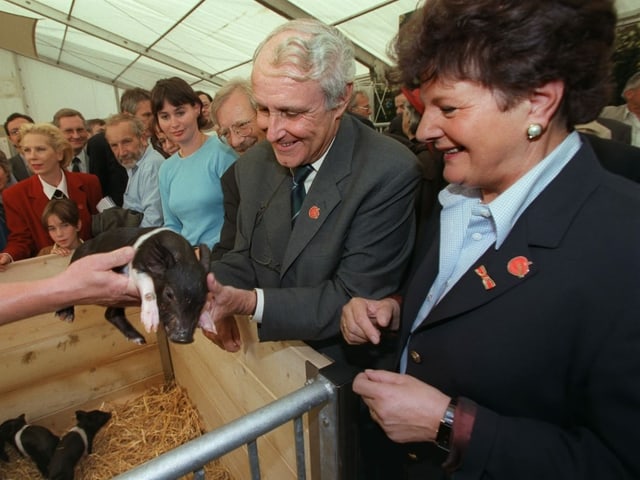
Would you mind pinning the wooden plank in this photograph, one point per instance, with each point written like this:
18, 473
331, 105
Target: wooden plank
47, 397
218, 406
226, 385
62, 420
34, 268
27, 331
79, 349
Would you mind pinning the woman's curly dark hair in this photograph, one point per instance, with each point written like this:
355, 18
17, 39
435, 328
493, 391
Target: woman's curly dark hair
512, 47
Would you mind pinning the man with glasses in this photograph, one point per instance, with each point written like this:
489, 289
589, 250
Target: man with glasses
234, 111
19, 166
360, 107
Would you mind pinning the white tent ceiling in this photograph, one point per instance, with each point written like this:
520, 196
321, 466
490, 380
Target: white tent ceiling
135, 42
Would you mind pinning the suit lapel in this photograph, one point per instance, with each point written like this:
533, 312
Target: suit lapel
323, 195
489, 277
277, 201
543, 224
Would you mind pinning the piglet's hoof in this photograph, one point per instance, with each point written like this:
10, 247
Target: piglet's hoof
66, 314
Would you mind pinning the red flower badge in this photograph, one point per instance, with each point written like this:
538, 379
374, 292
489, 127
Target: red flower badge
314, 212
519, 266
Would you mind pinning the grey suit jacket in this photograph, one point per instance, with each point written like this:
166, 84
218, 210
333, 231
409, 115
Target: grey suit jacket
18, 168
353, 237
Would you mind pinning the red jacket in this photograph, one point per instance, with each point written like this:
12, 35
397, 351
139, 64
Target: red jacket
25, 201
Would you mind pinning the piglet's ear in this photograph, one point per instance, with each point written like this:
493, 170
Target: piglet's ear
157, 258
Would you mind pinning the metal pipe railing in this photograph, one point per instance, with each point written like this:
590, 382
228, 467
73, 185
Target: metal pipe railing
196, 453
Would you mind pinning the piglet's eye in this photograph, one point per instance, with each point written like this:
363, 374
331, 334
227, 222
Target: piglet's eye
168, 293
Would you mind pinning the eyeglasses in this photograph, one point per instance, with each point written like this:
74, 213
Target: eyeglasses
365, 107
242, 129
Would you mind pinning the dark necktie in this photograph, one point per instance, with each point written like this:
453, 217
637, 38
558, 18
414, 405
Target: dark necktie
76, 164
297, 189
58, 194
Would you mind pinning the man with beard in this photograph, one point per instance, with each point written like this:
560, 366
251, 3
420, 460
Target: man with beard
129, 143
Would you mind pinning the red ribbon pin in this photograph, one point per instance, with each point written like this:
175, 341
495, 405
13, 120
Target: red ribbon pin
487, 281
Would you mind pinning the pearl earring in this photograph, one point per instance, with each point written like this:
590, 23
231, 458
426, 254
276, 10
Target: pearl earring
534, 131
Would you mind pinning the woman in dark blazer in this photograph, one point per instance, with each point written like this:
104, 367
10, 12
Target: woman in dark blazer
519, 329
48, 154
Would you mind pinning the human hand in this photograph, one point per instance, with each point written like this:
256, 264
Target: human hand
407, 409
5, 260
362, 320
222, 304
62, 251
91, 280
226, 336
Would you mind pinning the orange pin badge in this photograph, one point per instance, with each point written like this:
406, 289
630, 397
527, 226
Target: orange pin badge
487, 281
314, 212
518, 266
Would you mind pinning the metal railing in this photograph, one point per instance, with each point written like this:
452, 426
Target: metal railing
319, 392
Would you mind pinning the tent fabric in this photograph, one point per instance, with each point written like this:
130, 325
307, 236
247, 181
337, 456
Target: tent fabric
132, 43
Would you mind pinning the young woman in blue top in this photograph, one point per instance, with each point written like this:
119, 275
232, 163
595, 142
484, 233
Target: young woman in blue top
190, 188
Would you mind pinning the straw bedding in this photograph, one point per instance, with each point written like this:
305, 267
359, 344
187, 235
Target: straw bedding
139, 430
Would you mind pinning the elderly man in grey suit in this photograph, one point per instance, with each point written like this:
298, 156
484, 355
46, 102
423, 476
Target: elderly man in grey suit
629, 112
354, 232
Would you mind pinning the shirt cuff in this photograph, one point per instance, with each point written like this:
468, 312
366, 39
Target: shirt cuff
257, 315
464, 419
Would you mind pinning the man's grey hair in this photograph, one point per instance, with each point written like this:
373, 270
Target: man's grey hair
136, 124
354, 98
225, 92
314, 51
131, 97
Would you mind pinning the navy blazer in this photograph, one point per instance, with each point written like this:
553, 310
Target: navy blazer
551, 358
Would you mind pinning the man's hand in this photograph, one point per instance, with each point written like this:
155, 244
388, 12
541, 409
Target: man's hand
407, 409
93, 280
362, 320
223, 303
226, 336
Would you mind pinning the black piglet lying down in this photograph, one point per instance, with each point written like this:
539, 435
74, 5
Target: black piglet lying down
170, 278
75, 443
32, 441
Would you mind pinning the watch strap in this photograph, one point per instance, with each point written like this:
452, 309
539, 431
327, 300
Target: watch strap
444, 436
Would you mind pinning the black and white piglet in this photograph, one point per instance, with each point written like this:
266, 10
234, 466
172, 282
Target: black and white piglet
32, 441
170, 278
75, 443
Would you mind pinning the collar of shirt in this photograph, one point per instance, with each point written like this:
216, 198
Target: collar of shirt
84, 161
131, 171
509, 205
316, 167
257, 315
50, 190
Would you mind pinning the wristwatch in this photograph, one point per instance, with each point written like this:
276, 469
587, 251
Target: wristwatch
444, 436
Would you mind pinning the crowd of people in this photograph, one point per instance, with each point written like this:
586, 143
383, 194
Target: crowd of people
476, 264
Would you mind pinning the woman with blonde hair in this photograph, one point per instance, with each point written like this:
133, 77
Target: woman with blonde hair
48, 154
